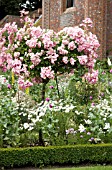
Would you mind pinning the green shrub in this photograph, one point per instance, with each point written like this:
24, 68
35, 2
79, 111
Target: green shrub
43, 156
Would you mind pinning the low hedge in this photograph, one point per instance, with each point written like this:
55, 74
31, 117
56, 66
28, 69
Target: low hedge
57, 155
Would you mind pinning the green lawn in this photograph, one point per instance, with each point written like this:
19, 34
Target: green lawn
86, 168
70, 168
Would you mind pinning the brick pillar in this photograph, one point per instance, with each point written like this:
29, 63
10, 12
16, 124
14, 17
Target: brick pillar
46, 14
55, 11
97, 11
51, 10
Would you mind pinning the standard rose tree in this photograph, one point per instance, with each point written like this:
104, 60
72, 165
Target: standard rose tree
38, 55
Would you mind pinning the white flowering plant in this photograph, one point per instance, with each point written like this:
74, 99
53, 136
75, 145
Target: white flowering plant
63, 121
93, 125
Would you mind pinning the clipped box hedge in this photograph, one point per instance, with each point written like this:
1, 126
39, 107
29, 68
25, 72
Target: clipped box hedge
57, 155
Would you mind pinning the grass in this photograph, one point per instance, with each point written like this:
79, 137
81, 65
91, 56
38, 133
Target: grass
86, 168
70, 168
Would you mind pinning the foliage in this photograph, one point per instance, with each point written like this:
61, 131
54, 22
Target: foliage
9, 119
61, 155
31, 4
10, 7
13, 7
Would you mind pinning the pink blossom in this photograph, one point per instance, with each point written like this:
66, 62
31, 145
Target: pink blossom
16, 66
93, 104
32, 43
9, 86
47, 99
21, 82
110, 70
28, 84
36, 32
92, 77
71, 45
51, 87
53, 58
32, 66
24, 84
5, 80
35, 58
62, 50
91, 97
16, 54
51, 51
103, 72
82, 59
65, 60
48, 43
50, 105
29, 21
65, 42
19, 35
91, 63
46, 72
72, 61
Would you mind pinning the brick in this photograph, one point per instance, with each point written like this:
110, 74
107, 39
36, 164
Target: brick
100, 11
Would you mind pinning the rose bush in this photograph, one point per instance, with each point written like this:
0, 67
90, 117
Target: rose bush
37, 55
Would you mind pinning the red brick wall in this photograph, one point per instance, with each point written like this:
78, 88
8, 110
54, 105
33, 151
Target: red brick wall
109, 26
97, 11
56, 16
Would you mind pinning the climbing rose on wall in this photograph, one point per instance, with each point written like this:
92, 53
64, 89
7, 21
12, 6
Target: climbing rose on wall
35, 54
